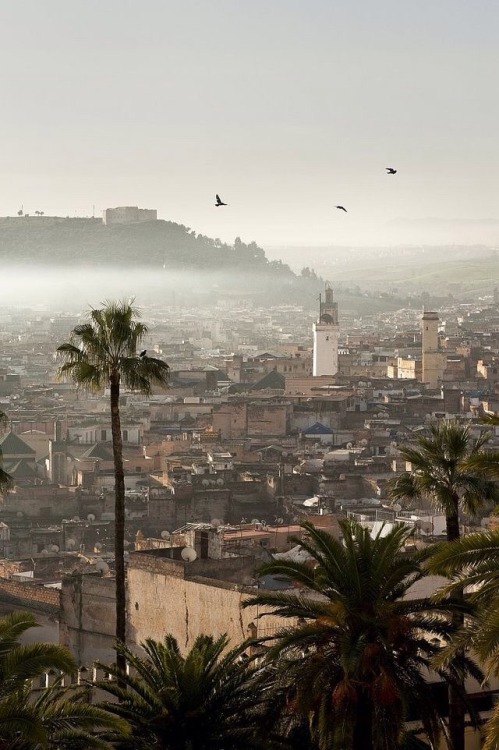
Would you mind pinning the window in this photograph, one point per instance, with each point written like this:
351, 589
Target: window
125, 436
103, 434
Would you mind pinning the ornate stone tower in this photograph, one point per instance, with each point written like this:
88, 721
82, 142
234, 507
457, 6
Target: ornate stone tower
434, 360
326, 335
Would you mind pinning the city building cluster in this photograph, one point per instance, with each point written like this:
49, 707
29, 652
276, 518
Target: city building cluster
273, 416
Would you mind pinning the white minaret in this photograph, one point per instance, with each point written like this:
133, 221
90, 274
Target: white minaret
326, 335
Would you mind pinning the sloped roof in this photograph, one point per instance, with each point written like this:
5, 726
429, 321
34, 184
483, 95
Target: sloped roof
99, 450
20, 469
318, 429
273, 380
11, 445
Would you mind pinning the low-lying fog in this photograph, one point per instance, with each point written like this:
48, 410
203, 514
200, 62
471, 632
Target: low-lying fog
79, 288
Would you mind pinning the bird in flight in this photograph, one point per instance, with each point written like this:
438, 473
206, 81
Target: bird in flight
143, 353
219, 201
342, 208
391, 170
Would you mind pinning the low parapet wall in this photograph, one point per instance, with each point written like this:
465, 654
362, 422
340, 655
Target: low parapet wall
33, 595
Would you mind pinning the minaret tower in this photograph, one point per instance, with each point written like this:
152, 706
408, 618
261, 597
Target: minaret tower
434, 360
326, 335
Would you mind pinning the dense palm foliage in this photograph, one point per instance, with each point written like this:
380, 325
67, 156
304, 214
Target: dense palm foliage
103, 353
208, 699
474, 562
55, 718
19, 664
448, 469
69, 721
452, 470
356, 659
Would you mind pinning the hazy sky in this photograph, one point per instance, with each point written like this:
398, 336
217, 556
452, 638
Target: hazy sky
284, 107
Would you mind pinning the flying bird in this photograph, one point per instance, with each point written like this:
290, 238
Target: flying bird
391, 170
342, 208
143, 353
219, 201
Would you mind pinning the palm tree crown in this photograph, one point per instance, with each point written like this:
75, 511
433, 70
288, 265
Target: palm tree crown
448, 469
19, 664
104, 351
356, 660
56, 718
204, 700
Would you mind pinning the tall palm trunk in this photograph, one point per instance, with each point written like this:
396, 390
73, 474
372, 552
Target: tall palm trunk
362, 738
119, 518
456, 706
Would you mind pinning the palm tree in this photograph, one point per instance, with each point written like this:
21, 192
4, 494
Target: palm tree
103, 353
6, 481
474, 562
19, 664
444, 471
451, 470
207, 699
71, 722
355, 661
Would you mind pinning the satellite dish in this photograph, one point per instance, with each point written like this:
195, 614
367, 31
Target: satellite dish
165, 534
54, 548
70, 544
216, 522
189, 554
397, 507
349, 446
101, 566
220, 482
19, 514
255, 520
76, 519
98, 546
90, 517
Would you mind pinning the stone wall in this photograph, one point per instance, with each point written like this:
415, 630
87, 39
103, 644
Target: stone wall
33, 595
88, 617
185, 599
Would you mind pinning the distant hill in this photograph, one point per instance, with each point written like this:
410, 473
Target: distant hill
58, 241
162, 246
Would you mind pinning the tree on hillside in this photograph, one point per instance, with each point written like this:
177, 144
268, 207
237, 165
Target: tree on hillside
102, 353
449, 469
355, 660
